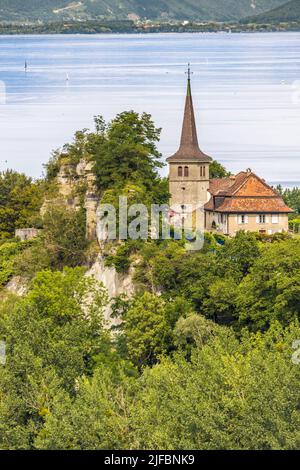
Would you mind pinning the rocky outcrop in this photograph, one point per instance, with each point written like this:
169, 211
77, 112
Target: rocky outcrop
74, 180
114, 282
26, 233
17, 285
67, 179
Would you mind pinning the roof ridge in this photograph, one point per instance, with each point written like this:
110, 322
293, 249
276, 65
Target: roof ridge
262, 181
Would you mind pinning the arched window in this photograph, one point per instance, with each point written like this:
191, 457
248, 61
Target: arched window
186, 171
180, 171
204, 171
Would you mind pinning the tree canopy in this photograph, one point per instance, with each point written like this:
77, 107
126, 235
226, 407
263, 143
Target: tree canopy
203, 353
20, 201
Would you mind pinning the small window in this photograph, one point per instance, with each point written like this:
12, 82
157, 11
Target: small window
262, 219
180, 171
275, 219
243, 219
186, 171
202, 171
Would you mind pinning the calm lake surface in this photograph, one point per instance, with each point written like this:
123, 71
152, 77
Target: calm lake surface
246, 93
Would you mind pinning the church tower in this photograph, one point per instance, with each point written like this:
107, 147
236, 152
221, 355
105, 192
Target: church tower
189, 166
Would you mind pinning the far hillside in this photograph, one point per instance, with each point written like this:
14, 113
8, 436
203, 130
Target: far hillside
204, 10
289, 12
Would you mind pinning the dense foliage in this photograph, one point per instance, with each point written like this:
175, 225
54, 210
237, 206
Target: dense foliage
125, 150
201, 356
291, 197
20, 201
143, 27
64, 387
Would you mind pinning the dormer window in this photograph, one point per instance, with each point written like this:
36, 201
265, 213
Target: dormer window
186, 171
180, 174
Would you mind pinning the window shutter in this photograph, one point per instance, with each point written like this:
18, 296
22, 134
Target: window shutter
246, 219
257, 219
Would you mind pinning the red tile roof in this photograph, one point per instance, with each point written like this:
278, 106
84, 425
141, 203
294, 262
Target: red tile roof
254, 205
245, 192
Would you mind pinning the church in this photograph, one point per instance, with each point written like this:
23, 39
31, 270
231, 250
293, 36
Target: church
240, 202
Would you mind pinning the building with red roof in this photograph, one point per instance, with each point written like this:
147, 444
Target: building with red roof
241, 202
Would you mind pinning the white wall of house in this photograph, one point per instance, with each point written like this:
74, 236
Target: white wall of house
230, 224
265, 223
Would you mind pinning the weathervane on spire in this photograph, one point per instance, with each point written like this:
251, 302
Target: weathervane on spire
189, 72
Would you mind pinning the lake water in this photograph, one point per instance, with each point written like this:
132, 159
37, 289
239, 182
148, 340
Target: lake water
245, 86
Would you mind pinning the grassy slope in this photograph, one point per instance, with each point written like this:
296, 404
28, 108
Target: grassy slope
177, 9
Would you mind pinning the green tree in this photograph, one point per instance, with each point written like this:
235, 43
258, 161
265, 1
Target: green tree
125, 150
239, 254
159, 266
146, 330
230, 395
216, 170
20, 201
96, 419
291, 197
53, 337
220, 304
193, 330
272, 289
64, 235
196, 273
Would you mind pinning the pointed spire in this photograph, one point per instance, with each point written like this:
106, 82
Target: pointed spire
189, 147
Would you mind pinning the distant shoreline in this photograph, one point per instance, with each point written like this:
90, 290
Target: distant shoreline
129, 27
